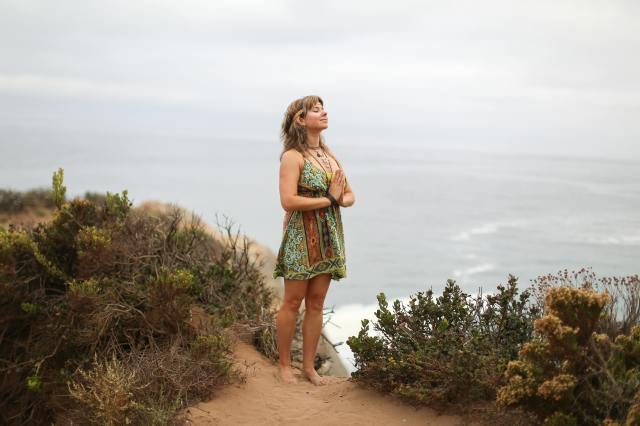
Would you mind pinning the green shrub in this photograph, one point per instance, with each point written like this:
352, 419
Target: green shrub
59, 190
446, 349
95, 313
12, 202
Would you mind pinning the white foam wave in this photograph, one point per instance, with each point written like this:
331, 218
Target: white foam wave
620, 240
487, 228
465, 274
346, 321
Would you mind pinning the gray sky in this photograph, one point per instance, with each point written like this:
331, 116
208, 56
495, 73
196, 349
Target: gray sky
556, 77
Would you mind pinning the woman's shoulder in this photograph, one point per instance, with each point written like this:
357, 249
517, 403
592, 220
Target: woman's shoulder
293, 154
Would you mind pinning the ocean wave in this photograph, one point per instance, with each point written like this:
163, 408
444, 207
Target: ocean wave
465, 274
346, 321
487, 228
620, 240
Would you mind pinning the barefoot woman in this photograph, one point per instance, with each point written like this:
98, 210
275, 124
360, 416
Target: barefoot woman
313, 187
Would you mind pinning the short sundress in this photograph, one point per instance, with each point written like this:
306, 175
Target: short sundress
312, 240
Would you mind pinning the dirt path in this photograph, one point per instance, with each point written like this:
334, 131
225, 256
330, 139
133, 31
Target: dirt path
263, 400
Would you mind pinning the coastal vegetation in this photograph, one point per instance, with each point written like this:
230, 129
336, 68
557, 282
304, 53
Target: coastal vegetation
565, 351
112, 315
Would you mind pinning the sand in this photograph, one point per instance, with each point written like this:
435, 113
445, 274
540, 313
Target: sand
264, 400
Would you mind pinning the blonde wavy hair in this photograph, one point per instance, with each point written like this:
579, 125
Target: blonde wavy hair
293, 135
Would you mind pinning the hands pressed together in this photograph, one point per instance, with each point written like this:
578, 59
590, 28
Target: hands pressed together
337, 186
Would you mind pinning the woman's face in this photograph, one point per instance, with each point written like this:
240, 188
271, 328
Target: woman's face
316, 118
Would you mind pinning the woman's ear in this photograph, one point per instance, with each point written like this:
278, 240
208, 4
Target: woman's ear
299, 120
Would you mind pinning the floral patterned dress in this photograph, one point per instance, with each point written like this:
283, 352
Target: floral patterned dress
312, 240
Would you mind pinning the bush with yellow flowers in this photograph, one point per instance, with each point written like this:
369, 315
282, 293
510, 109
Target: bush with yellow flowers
571, 373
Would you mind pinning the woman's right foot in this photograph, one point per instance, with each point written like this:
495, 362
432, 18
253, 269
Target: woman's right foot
313, 376
286, 374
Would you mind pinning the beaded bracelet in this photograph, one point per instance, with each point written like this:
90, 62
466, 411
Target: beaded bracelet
334, 202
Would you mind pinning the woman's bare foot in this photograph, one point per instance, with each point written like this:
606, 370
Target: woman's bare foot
313, 376
285, 372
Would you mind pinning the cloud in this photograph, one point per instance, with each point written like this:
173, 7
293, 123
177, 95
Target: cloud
491, 73
92, 89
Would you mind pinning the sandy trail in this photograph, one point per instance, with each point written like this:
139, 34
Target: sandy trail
264, 400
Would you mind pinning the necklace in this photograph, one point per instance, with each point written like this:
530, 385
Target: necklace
325, 159
316, 149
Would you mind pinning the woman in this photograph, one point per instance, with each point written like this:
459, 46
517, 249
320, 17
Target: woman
313, 187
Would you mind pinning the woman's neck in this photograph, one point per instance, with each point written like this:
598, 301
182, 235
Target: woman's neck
313, 140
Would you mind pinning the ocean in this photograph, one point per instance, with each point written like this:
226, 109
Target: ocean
421, 216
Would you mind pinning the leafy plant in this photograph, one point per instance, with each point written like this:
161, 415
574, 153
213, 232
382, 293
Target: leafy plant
102, 294
443, 349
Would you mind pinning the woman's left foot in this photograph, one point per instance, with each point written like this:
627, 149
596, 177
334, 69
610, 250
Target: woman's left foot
313, 376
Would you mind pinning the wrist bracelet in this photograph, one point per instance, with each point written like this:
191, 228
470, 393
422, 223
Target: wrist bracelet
334, 202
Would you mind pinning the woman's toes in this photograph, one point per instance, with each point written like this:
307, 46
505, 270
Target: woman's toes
286, 375
314, 377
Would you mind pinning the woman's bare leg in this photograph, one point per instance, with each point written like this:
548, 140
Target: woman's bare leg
312, 325
294, 291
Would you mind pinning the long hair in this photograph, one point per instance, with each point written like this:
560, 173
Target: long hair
293, 135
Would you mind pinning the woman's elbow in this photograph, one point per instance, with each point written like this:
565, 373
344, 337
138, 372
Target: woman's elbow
351, 199
286, 204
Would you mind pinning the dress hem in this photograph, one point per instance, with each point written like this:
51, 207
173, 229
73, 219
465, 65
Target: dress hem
336, 275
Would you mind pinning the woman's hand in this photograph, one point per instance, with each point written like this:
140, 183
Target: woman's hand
347, 198
337, 184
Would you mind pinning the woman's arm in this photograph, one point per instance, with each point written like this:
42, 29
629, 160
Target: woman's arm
348, 198
289, 176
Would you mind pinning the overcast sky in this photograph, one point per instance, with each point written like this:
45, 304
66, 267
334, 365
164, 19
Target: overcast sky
546, 77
